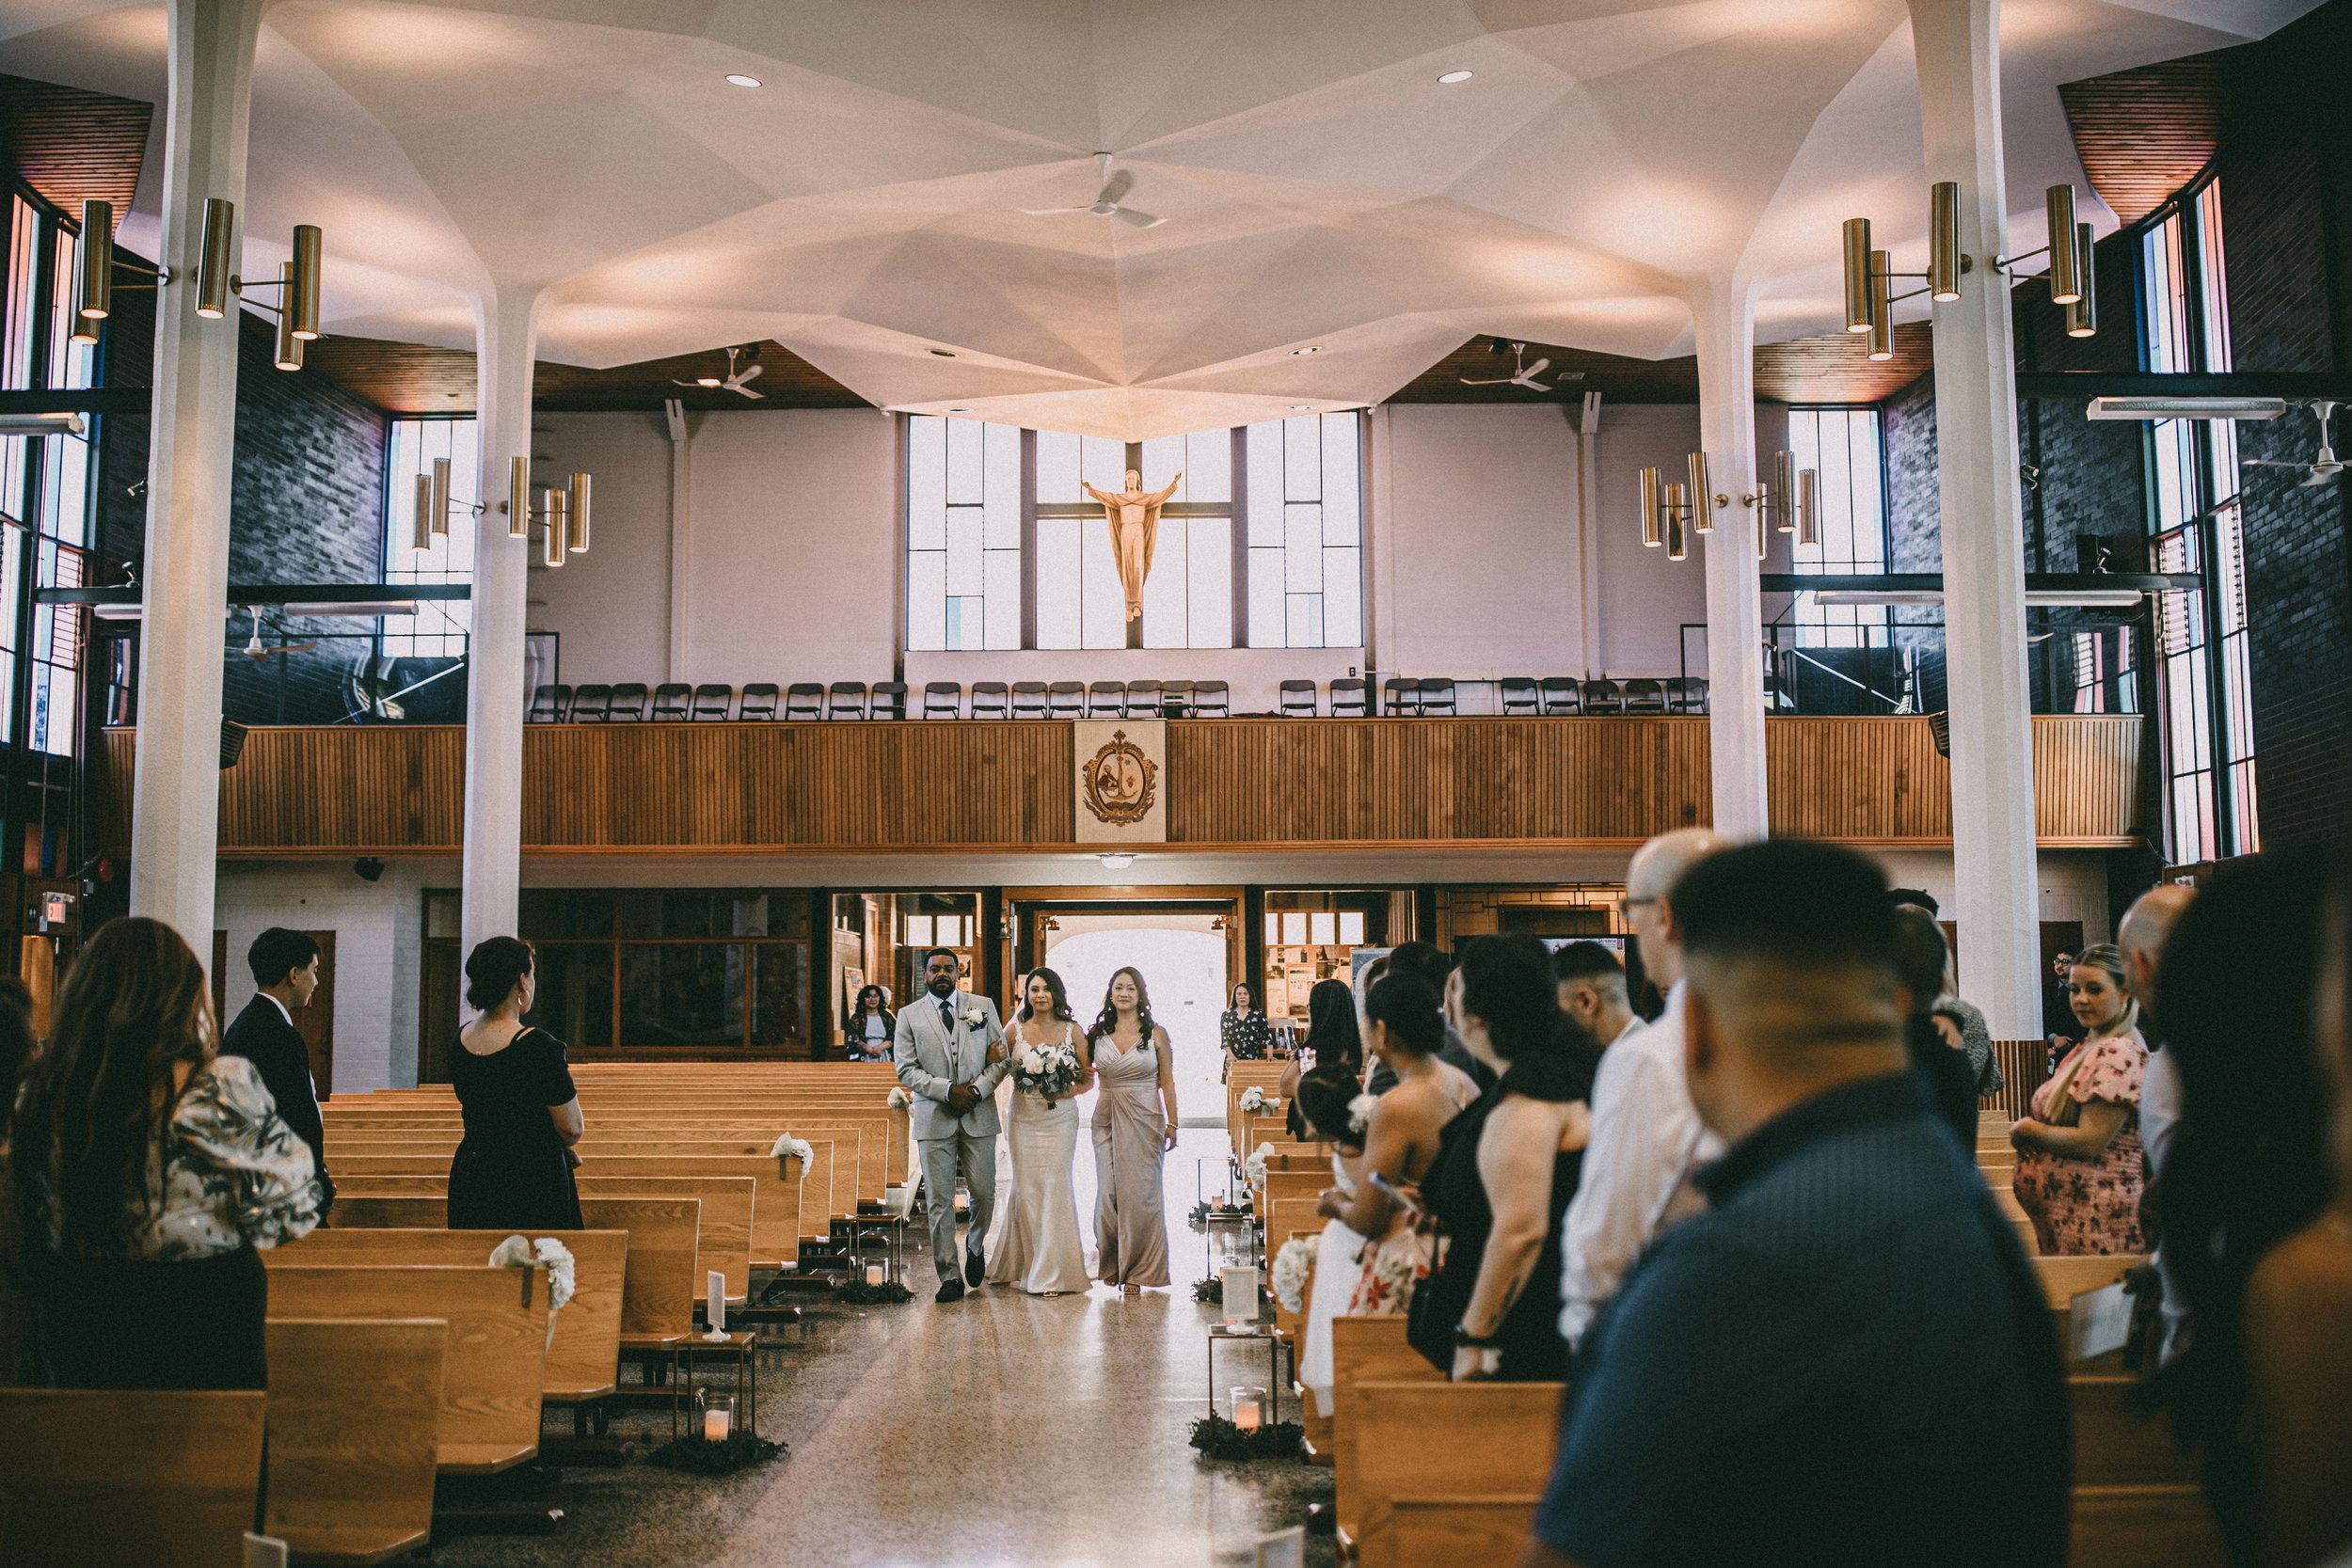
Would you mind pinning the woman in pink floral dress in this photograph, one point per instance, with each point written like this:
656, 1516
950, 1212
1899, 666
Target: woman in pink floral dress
2078, 1153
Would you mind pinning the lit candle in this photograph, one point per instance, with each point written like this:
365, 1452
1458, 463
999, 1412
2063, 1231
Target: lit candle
1248, 1409
716, 1421
873, 1273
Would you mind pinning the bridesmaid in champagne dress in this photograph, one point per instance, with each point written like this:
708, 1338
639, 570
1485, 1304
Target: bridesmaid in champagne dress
1037, 1245
1134, 1127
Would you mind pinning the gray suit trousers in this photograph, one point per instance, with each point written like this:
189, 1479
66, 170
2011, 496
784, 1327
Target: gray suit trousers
978, 1154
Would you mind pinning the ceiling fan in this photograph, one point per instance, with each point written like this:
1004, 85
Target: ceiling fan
262, 653
1106, 202
2324, 466
1524, 375
736, 381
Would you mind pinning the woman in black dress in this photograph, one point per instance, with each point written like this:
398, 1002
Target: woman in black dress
513, 1168
1505, 1169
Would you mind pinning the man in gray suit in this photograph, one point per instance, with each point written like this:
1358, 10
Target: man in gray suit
943, 1048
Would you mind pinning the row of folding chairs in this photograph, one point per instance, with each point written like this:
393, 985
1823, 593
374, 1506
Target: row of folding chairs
1522, 695
675, 702
1141, 699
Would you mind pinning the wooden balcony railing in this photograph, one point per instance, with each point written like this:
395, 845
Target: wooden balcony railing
1238, 783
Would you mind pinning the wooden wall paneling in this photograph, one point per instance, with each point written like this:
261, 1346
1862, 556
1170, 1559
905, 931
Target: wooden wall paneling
2086, 779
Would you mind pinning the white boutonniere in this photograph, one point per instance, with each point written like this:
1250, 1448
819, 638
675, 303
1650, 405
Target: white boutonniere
974, 1018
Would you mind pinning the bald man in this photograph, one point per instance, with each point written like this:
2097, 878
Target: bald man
2142, 934
1646, 1136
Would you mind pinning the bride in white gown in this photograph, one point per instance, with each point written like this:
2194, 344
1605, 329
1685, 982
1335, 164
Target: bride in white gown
1036, 1245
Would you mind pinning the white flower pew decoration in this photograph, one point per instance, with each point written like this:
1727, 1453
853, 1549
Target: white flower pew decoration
786, 1146
1253, 1099
1294, 1266
1254, 1168
519, 1252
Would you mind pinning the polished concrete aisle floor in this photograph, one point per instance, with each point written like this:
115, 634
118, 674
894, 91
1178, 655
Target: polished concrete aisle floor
1004, 1429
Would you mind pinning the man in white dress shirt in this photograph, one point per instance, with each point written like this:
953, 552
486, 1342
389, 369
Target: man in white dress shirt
1647, 1137
2142, 935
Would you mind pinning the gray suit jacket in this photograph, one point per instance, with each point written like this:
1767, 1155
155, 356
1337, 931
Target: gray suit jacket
930, 1062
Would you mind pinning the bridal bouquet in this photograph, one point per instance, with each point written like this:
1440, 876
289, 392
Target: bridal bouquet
1293, 1265
1048, 1071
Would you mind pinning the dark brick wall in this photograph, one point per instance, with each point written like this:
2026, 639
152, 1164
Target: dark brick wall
307, 506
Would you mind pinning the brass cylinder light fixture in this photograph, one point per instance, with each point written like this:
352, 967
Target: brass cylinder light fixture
440, 495
2066, 260
1810, 507
2082, 317
1944, 241
299, 299
1763, 533
576, 515
1677, 508
217, 259
1653, 526
288, 353
421, 537
1857, 275
556, 507
518, 498
1784, 495
94, 270
1702, 495
1881, 338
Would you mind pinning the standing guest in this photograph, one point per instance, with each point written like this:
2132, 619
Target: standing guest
2078, 1153
951, 1055
1330, 1097
870, 1029
513, 1170
2252, 1206
1134, 1127
1647, 1137
1920, 960
2058, 1006
1504, 1172
1591, 980
285, 966
1425, 960
1332, 1035
1845, 1361
1961, 1024
148, 1171
20, 1368
1243, 1030
2142, 934
18, 1043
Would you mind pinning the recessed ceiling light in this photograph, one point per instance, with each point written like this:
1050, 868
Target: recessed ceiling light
736, 79
1311, 348
1452, 76
945, 353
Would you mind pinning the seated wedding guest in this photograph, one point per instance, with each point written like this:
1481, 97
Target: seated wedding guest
2079, 1155
2259, 1385
1243, 1030
867, 1034
1332, 1037
1505, 1169
1647, 1137
513, 1169
1845, 1360
148, 1168
1329, 1103
285, 966
1400, 1136
1591, 980
1920, 958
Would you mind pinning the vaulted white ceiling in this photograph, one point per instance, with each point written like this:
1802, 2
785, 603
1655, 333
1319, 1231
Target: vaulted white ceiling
1321, 188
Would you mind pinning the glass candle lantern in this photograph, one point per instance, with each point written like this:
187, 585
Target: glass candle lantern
718, 1417
1250, 1409
873, 1273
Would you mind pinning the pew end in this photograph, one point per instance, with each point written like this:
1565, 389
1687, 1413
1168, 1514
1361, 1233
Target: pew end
128, 1478
354, 1406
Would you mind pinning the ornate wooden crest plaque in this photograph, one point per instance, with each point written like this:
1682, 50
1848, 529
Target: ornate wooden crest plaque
1119, 783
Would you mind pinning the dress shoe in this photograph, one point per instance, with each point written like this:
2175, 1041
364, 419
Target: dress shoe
974, 1269
949, 1289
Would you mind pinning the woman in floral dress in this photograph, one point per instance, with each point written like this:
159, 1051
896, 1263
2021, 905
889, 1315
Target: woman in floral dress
2079, 1163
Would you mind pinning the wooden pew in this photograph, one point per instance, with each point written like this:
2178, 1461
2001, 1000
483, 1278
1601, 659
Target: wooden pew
2064, 1279
582, 1357
2117, 1444
1364, 1350
498, 1344
1427, 1448
354, 1407
664, 1277
1452, 1531
2144, 1526
128, 1478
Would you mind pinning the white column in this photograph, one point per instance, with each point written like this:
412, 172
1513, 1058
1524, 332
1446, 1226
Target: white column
1726, 318
175, 797
505, 342
1957, 44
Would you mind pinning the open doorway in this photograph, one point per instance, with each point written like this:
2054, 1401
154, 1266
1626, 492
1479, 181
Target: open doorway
1183, 958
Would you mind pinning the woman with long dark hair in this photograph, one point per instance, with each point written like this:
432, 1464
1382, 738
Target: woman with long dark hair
148, 1168
867, 1033
1134, 1127
513, 1170
1037, 1245
1505, 1170
1333, 1035
1243, 1030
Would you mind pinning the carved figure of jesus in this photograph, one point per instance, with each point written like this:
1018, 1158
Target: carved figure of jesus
1135, 518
